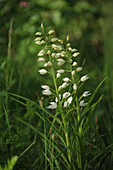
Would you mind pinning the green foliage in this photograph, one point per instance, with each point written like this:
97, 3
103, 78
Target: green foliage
10, 163
89, 24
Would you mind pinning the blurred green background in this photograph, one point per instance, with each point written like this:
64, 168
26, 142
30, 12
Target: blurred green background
90, 26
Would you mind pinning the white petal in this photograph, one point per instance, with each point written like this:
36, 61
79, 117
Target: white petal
86, 93
79, 69
51, 32
82, 103
64, 85
74, 64
41, 59
60, 63
65, 104
59, 88
58, 75
57, 98
70, 100
66, 79
73, 73
61, 71
75, 54
45, 87
42, 71
41, 53
38, 33
54, 39
66, 94
75, 87
84, 78
52, 106
46, 92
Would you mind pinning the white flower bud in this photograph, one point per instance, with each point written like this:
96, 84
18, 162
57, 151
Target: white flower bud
66, 94
41, 53
73, 73
67, 38
68, 102
68, 44
82, 103
79, 69
86, 93
74, 64
54, 39
38, 33
75, 54
38, 42
42, 26
46, 92
63, 52
59, 88
69, 48
38, 39
48, 64
58, 75
57, 98
66, 79
60, 62
64, 85
60, 41
41, 59
84, 78
73, 50
42, 71
45, 87
53, 54
52, 105
51, 32
71, 60
42, 42
75, 87
57, 55
61, 71
48, 52
45, 65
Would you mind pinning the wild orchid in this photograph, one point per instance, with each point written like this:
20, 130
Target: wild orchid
70, 104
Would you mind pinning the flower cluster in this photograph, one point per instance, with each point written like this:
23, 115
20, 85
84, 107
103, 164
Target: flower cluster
54, 56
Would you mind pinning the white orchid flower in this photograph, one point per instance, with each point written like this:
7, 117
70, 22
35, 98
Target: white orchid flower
68, 102
45, 87
66, 79
58, 75
66, 94
82, 103
64, 85
74, 64
42, 71
61, 71
74, 86
46, 92
84, 78
52, 105
41, 59
86, 93
41, 53
75, 54
79, 69
51, 32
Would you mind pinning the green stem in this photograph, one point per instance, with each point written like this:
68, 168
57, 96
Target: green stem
8, 62
66, 133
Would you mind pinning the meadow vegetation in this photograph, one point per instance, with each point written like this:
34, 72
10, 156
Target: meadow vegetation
56, 86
